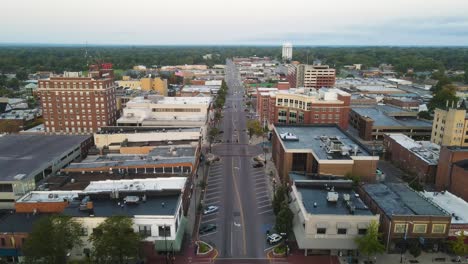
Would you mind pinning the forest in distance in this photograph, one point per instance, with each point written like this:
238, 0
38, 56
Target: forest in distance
74, 58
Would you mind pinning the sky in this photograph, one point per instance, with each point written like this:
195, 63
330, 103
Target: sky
236, 22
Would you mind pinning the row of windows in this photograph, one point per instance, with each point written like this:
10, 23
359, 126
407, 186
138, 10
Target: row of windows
341, 231
75, 85
420, 228
6, 188
178, 110
144, 230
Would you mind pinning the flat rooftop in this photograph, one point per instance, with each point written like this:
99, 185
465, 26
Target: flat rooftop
25, 155
385, 115
399, 199
48, 196
140, 129
158, 184
162, 205
315, 139
454, 205
314, 198
427, 151
18, 223
170, 100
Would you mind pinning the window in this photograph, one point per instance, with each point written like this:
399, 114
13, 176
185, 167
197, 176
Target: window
438, 228
419, 228
6, 188
321, 231
342, 231
400, 228
362, 231
145, 230
166, 232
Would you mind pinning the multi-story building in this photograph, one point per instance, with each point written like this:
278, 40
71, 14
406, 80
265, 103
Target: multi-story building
328, 216
303, 106
27, 159
155, 110
73, 104
322, 150
420, 158
315, 76
373, 121
146, 84
450, 127
452, 171
406, 216
287, 51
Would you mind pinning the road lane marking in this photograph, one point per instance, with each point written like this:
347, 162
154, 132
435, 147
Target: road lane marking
241, 209
267, 211
212, 233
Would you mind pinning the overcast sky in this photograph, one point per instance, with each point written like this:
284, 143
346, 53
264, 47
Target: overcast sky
213, 22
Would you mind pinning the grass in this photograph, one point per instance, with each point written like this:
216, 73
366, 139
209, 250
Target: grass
203, 248
280, 250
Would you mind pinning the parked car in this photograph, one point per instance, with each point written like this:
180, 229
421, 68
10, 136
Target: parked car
210, 209
207, 228
258, 165
273, 239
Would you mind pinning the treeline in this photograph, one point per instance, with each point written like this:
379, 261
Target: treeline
74, 58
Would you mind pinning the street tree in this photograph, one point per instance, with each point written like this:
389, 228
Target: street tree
284, 219
254, 128
369, 244
278, 198
458, 245
114, 241
51, 239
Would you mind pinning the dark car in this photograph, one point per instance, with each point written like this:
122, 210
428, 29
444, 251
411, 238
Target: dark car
207, 228
258, 165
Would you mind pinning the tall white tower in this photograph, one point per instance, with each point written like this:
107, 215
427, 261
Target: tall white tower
287, 51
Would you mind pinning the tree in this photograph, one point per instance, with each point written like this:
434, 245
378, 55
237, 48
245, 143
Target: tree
13, 83
279, 198
114, 240
465, 75
369, 244
254, 127
425, 115
284, 219
414, 249
51, 239
458, 246
22, 75
440, 99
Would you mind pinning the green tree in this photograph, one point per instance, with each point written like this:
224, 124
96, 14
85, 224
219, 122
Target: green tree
254, 128
465, 76
284, 219
22, 75
458, 245
414, 249
13, 83
51, 239
440, 99
425, 115
114, 240
279, 198
369, 244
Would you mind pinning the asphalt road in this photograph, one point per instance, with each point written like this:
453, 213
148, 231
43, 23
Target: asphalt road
240, 191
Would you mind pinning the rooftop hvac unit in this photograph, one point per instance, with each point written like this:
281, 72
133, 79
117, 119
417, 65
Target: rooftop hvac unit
131, 199
346, 197
332, 196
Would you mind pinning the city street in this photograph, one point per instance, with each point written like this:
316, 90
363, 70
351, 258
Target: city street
240, 191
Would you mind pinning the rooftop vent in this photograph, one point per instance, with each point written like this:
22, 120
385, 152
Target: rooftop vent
131, 199
289, 137
332, 196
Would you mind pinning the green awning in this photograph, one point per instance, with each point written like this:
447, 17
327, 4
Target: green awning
160, 245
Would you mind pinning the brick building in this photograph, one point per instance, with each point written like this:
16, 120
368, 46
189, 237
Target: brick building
420, 158
322, 150
311, 76
452, 173
406, 216
73, 104
304, 106
403, 102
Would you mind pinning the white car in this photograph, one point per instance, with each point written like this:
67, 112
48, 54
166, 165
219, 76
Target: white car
210, 209
274, 238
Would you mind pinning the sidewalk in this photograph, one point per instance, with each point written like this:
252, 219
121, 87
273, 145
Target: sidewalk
407, 258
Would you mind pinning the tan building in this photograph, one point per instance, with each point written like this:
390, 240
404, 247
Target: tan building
315, 76
450, 127
73, 104
146, 84
328, 221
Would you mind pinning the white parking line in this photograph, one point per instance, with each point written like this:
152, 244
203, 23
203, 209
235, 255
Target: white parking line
258, 183
212, 193
262, 192
209, 234
259, 176
263, 196
263, 202
213, 186
216, 198
267, 211
261, 179
263, 206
